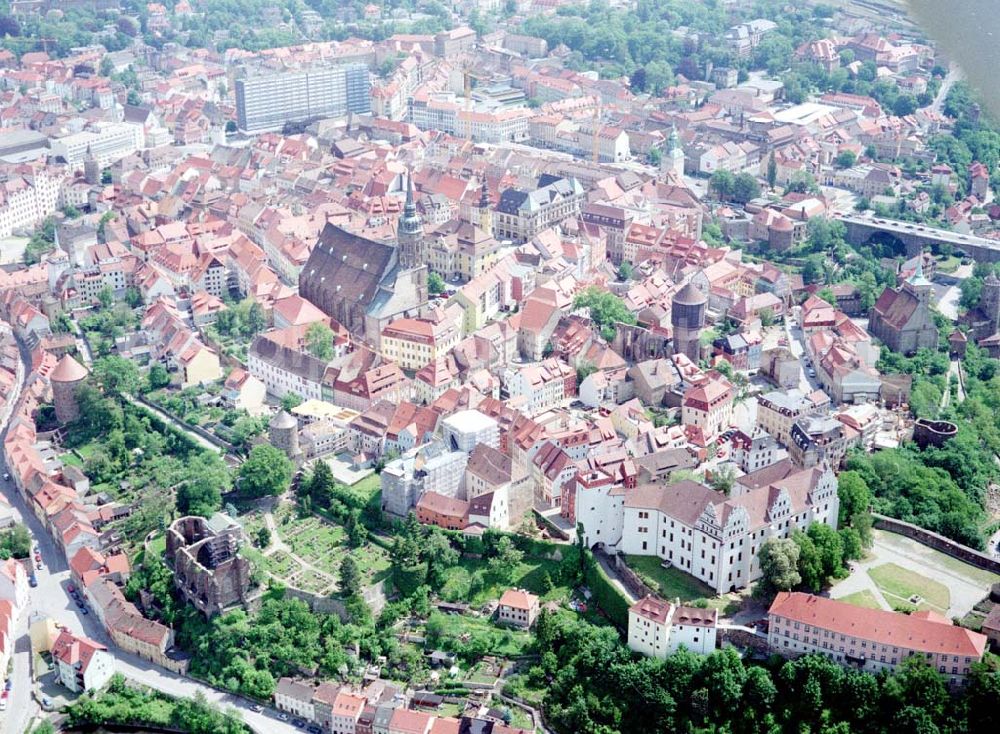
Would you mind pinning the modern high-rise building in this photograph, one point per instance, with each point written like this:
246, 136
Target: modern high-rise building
268, 101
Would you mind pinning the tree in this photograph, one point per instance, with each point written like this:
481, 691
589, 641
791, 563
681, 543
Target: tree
830, 547
158, 377
766, 317
971, 290
606, 309
231, 126
722, 183
503, 565
435, 284
290, 401
116, 376
350, 577
319, 341
198, 497
625, 270
267, 471
723, 479
810, 563
813, 271
845, 159
745, 188
263, 537
637, 82
772, 171
133, 297
854, 495
779, 564
15, 542
106, 297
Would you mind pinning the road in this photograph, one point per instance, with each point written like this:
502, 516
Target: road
50, 599
954, 75
796, 345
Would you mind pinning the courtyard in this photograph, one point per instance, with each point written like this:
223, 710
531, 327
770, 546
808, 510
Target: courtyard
900, 573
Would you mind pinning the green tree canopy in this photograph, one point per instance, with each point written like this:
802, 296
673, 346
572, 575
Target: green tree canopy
267, 471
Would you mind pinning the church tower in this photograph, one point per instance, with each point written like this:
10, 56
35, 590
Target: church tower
918, 285
410, 232
484, 214
673, 161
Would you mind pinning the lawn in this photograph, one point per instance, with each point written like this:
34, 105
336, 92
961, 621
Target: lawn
280, 565
672, 583
71, 459
901, 583
470, 581
158, 546
863, 598
368, 486
520, 718
916, 551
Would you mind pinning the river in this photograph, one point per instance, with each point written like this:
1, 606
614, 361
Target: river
969, 32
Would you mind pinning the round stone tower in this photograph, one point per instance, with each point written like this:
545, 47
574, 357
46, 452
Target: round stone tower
284, 433
687, 315
65, 379
91, 169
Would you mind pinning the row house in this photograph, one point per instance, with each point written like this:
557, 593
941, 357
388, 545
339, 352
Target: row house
872, 640
536, 388
281, 360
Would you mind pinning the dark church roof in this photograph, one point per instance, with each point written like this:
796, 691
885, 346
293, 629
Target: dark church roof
345, 267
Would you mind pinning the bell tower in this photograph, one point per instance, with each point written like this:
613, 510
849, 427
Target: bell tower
484, 214
410, 232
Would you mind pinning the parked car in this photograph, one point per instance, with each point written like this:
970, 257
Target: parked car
314, 729
6, 477
283, 716
71, 589
256, 708
33, 582
38, 565
298, 723
8, 685
84, 610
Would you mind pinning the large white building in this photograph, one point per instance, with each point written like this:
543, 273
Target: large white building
714, 538
873, 640
268, 101
107, 143
657, 628
26, 200
464, 430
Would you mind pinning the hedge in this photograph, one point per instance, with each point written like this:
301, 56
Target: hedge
606, 595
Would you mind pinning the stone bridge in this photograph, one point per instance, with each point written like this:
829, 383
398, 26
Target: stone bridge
914, 238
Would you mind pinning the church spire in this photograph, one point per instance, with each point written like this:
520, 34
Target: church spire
410, 207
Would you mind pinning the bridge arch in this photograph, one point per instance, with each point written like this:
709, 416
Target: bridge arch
881, 244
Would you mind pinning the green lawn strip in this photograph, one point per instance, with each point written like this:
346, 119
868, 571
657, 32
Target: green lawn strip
672, 583
903, 583
530, 574
71, 459
972, 574
863, 598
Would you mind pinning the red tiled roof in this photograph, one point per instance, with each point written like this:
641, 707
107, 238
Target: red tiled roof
911, 632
